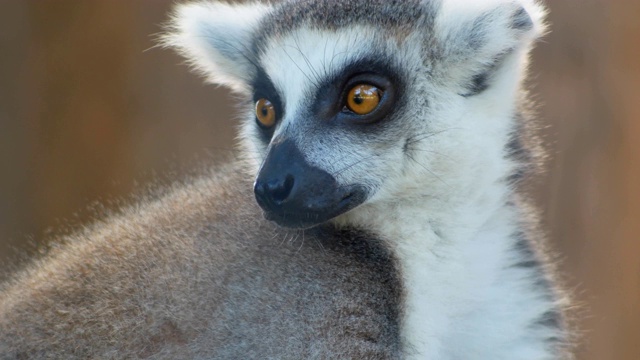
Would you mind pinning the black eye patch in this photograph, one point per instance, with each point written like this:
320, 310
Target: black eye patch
331, 96
263, 88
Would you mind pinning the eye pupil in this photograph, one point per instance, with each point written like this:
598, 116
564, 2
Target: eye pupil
363, 99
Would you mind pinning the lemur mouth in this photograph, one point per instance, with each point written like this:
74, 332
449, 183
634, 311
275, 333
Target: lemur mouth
347, 198
314, 211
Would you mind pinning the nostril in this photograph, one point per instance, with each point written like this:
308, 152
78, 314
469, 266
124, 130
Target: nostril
279, 191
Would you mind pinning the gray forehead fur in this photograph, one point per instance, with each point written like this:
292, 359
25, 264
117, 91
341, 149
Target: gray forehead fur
390, 15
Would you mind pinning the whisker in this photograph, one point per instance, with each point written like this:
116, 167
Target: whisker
232, 149
429, 171
359, 161
318, 242
306, 59
296, 64
302, 244
324, 56
430, 151
423, 136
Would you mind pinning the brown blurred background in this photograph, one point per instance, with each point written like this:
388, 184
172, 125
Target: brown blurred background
87, 112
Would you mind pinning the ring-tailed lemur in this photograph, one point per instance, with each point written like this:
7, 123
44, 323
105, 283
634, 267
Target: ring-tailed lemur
383, 137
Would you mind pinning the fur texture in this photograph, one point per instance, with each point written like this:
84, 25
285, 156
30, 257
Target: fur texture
441, 260
198, 274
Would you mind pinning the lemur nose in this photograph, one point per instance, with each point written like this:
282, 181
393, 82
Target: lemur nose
294, 193
275, 191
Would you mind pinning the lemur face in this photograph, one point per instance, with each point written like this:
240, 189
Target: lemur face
354, 103
333, 120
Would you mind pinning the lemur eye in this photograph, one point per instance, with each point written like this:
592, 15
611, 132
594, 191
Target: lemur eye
265, 113
363, 99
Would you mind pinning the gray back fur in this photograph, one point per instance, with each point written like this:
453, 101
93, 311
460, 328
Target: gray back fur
199, 274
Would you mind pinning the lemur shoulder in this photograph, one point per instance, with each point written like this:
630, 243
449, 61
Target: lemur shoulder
376, 216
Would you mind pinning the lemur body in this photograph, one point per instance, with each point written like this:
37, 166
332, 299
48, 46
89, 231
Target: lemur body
400, 233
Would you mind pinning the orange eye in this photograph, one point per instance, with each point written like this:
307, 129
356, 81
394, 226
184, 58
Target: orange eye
363, 99
266, 113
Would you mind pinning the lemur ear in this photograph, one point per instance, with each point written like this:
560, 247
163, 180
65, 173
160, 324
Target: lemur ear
478, 36
216, 40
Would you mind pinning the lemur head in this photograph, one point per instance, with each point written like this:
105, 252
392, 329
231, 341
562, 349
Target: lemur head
355, 103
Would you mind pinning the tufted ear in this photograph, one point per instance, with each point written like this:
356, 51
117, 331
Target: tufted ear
477, 36
216, 38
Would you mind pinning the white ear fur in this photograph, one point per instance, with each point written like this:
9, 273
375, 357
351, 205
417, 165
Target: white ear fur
483, 30
216, 40
476, 38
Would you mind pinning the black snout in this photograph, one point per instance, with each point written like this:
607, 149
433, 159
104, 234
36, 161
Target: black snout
295, 194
